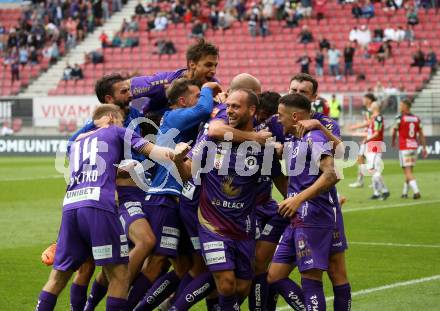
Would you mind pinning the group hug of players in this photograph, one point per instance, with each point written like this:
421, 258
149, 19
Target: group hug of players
223, 234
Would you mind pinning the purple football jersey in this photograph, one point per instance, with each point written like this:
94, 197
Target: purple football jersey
153, 87
92, 167
329, 123
302, 160
227, 198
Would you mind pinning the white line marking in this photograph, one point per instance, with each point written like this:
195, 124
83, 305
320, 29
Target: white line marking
30, 178
396, 244
368, 208
381, 288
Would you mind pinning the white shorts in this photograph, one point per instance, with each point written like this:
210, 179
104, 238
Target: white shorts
374, 161
408, 158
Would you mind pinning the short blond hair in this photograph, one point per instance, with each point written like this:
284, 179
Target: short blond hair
106, 110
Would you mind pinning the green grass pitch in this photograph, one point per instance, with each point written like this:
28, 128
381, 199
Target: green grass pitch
30, 209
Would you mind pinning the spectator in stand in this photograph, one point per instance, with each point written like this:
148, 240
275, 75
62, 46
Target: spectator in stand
389, 34
23, 55
131, 40
291, 19
77, 73
409, 34
133, 25
178, 11
305, 61
263, 25
364, 36
117, 41
418, 60
306, 8
116, 5
334, 56
252, 22
411, 16
225, 19
15, 70
213, 17
104, 13
52, 53
324, 44
368, 10
389, 6
378, 35
384, 52
354, 34
400, 34
240, 8
305, 36
165, 47
33, 56
356, 10
160, 22
139, 10
67, 72
319, 63
197, 30
104, 39
320, 9
431, 60
349, 51
124, 26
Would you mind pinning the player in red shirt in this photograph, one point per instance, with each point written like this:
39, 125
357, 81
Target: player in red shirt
409, 129
374, 148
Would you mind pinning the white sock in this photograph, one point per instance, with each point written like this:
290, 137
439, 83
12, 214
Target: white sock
360, 178
382, 183
413, 185
405, 188
377, 189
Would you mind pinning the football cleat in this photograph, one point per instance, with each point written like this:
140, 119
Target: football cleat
385, 195
48, 255
416, 196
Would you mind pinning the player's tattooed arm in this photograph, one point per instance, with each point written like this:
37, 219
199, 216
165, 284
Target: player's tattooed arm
183, 163
328, 178
218, 129
159, 154
306, 125
280, 182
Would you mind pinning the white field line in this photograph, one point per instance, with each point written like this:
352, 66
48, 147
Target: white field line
30, 178
381, 288
396, 244
368, 208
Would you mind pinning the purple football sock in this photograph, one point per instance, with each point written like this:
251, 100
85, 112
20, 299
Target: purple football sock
78, 297
313, 291
46, 301
140, 286
187, 278
116, 304
228, 303
272, 299
195, 291
212, 304
158, 292
342, 300
97, 293
291, 292
258, 294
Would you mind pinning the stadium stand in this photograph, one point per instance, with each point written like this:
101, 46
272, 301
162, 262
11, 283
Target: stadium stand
36, 35
273, 58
